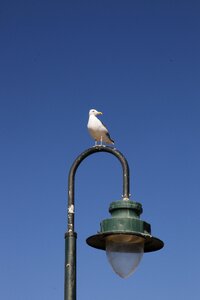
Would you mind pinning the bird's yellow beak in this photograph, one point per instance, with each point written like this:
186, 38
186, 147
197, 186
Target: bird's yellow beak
100, 113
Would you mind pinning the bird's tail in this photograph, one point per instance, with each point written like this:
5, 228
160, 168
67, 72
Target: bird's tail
111, 140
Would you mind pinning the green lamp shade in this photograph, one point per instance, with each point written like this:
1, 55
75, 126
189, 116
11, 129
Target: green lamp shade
125, 237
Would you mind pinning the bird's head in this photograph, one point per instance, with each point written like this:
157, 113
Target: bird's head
94, 112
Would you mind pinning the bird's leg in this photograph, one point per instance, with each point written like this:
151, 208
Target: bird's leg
101, 140
95, 143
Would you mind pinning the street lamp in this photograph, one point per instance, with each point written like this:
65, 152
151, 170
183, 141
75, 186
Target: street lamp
124, 236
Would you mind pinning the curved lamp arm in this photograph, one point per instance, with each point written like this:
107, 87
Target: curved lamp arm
70, 235
72, 173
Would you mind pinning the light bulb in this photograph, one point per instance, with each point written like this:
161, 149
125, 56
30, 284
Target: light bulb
124, 253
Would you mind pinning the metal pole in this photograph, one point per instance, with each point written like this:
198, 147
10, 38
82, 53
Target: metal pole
70, 266
70, 235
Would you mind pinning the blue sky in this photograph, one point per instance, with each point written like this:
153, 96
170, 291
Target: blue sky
139, 63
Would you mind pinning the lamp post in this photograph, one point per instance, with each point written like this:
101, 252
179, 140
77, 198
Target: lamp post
124, 237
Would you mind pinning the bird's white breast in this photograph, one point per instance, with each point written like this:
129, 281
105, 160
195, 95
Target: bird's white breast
94, 123
96, 128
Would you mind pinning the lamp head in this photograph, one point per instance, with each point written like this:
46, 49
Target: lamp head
125, 237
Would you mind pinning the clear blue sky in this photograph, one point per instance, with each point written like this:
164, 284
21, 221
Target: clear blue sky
139, 63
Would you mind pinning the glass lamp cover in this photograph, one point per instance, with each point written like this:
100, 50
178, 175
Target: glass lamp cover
124, 253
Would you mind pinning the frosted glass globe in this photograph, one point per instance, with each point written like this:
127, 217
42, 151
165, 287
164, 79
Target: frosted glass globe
124, 252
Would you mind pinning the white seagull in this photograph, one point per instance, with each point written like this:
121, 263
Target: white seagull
97, 129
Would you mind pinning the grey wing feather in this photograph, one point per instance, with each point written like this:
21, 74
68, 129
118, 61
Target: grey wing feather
107, 133
104, 125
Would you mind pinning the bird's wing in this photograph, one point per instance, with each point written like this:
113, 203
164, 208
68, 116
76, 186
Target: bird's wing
106, 129
106, 132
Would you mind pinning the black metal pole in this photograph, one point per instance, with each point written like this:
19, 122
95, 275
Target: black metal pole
70, 266
70, 235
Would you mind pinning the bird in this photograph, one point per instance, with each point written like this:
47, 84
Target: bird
97, 129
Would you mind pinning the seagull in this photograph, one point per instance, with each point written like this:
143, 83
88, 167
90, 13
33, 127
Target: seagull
97, 129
